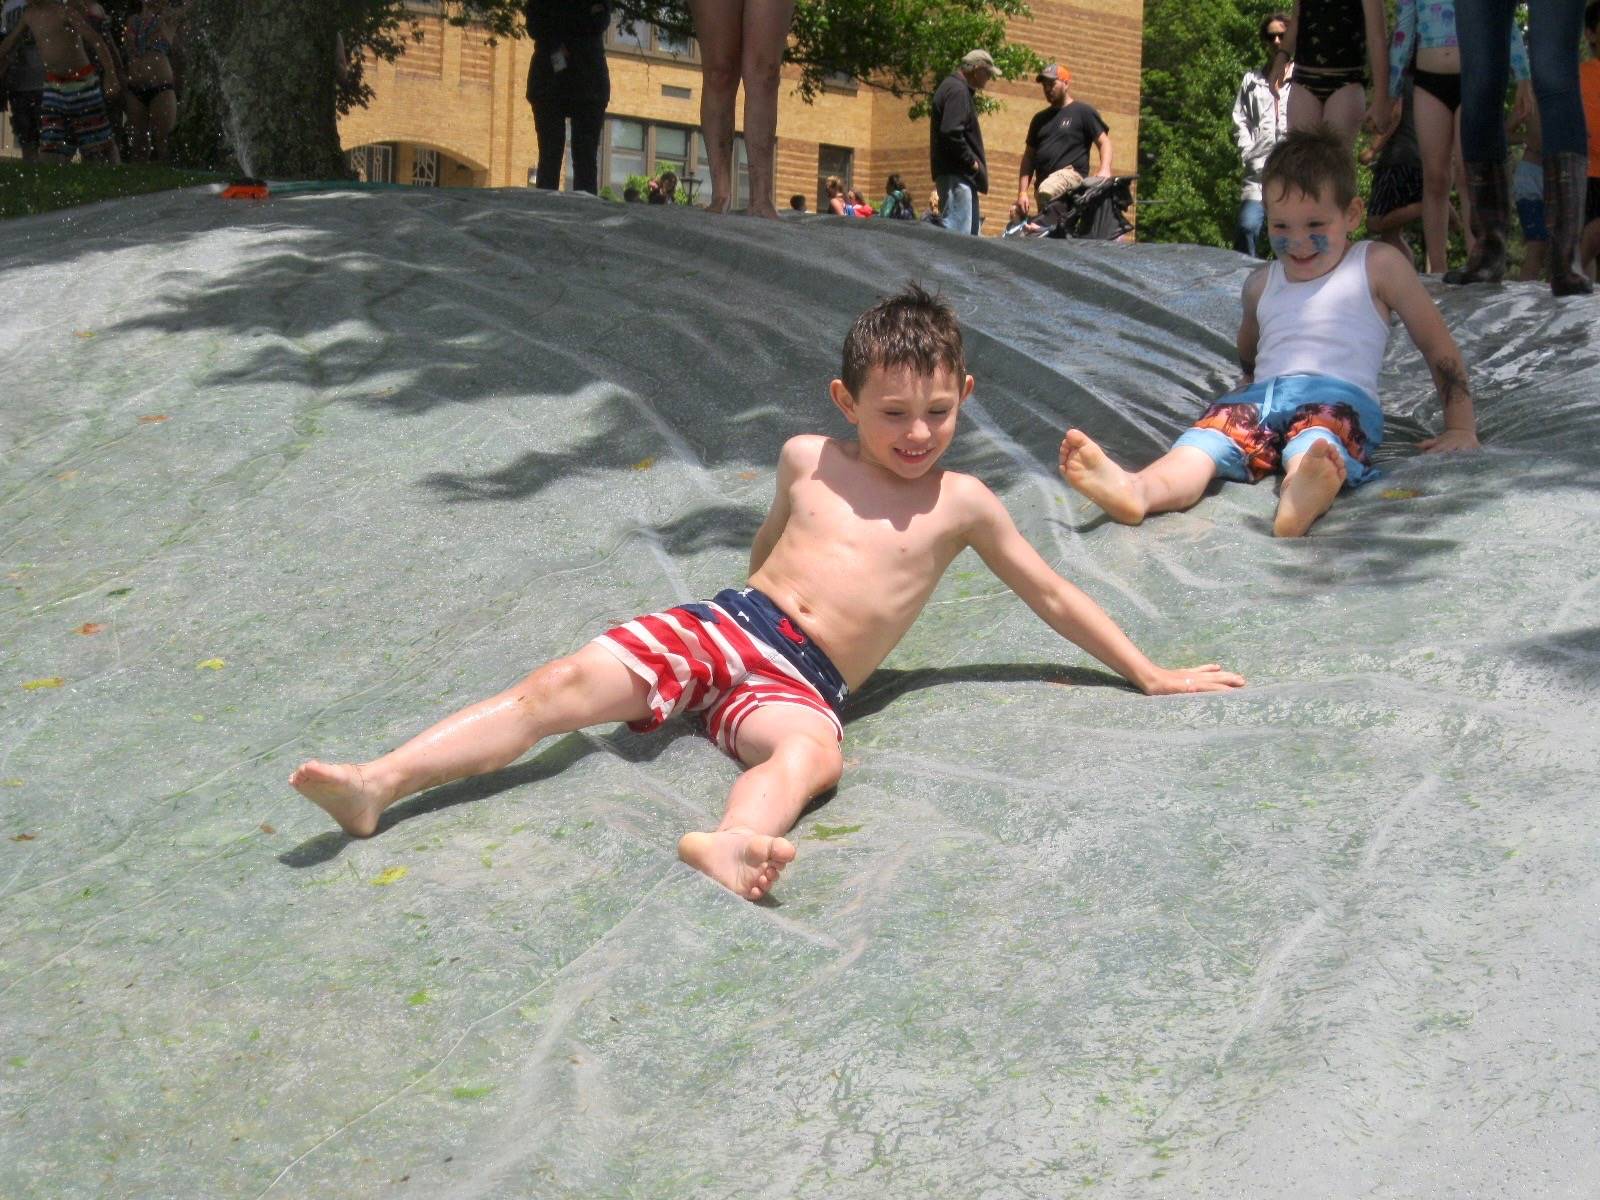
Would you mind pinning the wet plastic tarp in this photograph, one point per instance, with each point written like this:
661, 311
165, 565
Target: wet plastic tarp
297, 478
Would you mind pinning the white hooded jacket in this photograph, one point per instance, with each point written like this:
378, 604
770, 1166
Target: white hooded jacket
1260, 119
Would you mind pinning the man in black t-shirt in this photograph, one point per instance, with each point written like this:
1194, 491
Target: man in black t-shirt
1059, 137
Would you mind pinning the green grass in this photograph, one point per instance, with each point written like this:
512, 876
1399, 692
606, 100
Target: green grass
28, 188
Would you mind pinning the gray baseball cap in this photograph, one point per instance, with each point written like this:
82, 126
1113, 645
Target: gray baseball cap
980, 58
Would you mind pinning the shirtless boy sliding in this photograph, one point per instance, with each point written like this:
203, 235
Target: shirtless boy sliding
1311, 343
858, 536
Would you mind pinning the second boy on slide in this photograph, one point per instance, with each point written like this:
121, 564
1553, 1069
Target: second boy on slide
1311, 343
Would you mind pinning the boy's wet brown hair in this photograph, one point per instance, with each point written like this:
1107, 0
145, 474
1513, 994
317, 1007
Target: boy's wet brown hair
913, 329
1308, 161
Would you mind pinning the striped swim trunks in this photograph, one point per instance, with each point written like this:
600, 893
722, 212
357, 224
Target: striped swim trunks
72, 113
725, 658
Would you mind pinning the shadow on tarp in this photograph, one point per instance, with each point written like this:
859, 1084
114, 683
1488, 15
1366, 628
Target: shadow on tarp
1573, 653
886, 685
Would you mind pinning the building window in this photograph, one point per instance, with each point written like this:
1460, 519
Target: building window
700, 171
424, 167
833, 160
648, 148
373, 163
626, 153
741, 173
672, 150
647, 39
677, 47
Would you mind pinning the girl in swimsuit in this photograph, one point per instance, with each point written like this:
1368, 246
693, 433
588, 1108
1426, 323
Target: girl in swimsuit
152, 104
1429, 27
1332, 43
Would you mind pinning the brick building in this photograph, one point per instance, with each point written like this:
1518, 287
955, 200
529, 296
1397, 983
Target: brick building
451, 112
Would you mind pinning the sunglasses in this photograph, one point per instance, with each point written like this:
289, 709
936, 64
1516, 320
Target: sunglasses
1273, 37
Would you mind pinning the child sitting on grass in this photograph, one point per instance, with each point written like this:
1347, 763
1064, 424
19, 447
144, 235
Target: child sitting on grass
1311, 343
859, 534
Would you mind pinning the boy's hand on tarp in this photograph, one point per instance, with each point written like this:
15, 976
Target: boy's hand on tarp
1450, 440
1209, 678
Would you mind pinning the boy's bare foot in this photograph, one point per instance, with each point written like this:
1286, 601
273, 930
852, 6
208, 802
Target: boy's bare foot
1309, 490
340, 790
1087, 469
745, 863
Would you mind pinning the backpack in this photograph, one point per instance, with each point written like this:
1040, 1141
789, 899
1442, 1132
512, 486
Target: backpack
899, 208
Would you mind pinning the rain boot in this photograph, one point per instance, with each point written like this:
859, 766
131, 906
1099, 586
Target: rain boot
1566, 180
1490, 185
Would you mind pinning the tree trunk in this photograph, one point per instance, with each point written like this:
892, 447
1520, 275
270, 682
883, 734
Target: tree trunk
260, 88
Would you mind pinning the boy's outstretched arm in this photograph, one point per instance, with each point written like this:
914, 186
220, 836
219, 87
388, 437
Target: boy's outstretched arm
1396, 283
792, 459
1069, 611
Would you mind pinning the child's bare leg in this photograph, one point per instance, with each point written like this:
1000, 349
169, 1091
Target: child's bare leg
1533, 260
587, 688
792, 754
1174, 481
1310, 483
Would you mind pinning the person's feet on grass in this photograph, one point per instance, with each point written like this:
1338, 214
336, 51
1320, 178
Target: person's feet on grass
743, 861
1309, 489
1087, 469
344, 793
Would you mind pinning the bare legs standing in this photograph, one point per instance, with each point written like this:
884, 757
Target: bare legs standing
741, 40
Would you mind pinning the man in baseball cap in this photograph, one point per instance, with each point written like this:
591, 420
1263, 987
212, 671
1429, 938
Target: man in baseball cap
1056, 155
955, 149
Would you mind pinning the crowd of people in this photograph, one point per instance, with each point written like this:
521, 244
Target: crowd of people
1053, 177
1437, 112
79, 78
741, 42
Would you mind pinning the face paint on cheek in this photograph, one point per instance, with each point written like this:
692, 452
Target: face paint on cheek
1280, 246
1320, 243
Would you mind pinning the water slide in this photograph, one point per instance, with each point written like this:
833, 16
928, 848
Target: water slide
294, 478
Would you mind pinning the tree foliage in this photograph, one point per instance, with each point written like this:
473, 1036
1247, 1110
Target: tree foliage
1195, 54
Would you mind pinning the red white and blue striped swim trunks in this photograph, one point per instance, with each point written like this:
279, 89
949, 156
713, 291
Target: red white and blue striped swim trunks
726, 658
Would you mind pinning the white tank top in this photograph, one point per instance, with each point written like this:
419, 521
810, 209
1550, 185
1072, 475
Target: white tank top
1325, 326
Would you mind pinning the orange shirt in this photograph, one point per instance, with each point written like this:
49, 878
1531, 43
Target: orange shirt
1589, 85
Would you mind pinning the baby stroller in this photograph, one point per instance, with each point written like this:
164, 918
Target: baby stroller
1096, 209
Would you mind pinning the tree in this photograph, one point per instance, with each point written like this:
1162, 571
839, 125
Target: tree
1195, 54
266, 81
